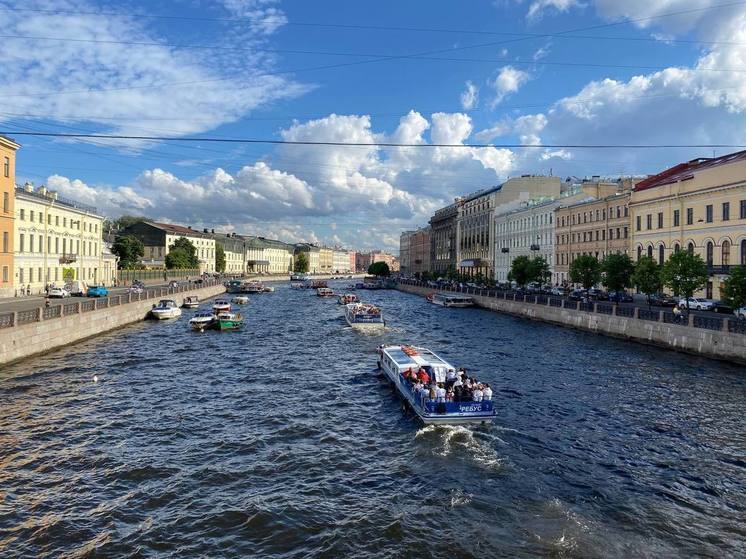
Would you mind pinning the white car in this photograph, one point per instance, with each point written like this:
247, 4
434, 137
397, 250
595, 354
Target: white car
740, 313
58, 292
697, 304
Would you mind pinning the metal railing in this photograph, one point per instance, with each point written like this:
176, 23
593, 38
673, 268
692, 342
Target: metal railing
604, 308
27, 317
707, 322
6, 320
52, 312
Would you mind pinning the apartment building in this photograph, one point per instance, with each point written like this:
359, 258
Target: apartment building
8, 150
158, 238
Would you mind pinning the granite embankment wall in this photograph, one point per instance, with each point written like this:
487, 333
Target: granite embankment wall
717, 344
27, 333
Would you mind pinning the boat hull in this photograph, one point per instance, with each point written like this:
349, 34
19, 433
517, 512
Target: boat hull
164, 315
365, 326
228, 325
201, 326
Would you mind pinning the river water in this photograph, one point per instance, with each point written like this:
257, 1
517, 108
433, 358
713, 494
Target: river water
282, 440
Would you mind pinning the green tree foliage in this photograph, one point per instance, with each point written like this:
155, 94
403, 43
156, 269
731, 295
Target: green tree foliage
585, 270
129, 249
617, 270
379, 269
301, 263
182, 254
520, 270
647, 276
122, 222
538, 270
734, 290
684, 273
219, 258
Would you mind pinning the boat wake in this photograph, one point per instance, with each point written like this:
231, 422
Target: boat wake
459, 441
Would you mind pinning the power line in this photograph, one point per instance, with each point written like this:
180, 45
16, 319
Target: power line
366, 144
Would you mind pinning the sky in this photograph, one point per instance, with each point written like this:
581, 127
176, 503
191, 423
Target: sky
549, 73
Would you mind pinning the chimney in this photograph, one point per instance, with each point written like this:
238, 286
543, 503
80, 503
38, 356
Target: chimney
204, 230
212, 231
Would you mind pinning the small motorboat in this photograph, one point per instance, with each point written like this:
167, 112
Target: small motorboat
221, 305
229, 321
202, 321
348, 298
166, 308
324, 292
268, 289
191, 302
241, 300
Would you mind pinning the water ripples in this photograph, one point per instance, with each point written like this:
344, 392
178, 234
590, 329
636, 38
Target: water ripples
282, 440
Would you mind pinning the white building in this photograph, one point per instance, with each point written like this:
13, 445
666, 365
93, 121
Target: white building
268, 256
56, 240
340, 261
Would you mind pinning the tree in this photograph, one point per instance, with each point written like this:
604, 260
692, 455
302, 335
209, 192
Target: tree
182, 254
122, 222
219, 258
734, 290
301, 263
520, 271
538, 270
129, 249
647, 276
585, 270
684, 273
617, 270
379, 269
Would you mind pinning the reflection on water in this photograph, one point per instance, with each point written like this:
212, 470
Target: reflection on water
283, 441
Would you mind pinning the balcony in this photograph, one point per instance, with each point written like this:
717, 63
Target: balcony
68, 258
535, 247
504, 250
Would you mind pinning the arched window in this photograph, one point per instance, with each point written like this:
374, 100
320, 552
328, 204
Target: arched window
661, 254
743, 252
726, 253
676, 248
650, 251
690, 248
709, 253
639, 251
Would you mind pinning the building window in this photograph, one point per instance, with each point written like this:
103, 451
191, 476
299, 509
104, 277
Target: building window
5, 273
626, 211
56, 245
5, 241
57, 221
661, 255
31, 215
708, 213
676, 218
743, 209
619, 211
626, 232
650, 251
22, 214
726, 253
638, 223
20, 275
660, 220
649, 221
41, 244
709, 253
21, 242
743, 252
689, 216
676, 248
726, 211
6, 169
6, 202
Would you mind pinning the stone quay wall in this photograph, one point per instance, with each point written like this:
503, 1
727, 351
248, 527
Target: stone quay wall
717, 341
35, 331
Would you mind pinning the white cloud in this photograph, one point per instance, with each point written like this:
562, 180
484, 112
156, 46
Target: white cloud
508, 81
262, 15
537, 8
542, 52
470, 96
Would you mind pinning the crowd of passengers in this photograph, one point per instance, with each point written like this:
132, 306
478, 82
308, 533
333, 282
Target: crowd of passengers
458, 387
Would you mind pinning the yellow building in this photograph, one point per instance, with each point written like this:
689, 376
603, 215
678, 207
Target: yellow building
56, 240
326, 260
698, 206
8, 150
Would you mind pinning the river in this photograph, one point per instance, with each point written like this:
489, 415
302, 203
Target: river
282, 440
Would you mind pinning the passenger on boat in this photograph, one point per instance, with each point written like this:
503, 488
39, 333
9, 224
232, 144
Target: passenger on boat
440, 393
487, 392
477, 394
449, 395
450, 378
423, 376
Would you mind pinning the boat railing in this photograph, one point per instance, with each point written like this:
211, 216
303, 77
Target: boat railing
435, 407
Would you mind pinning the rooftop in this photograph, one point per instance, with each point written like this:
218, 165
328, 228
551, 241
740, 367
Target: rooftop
48, 196
178, 229
684, 171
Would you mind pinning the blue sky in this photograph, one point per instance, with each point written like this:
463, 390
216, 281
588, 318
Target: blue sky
549, 72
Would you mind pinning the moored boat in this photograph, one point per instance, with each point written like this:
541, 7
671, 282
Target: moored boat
396, 361
317, 284
348, 298
299, 277
364, 316
234, 286
241, 300
221, 305
448, 300
202, 321
324, 292
191, 302
268, 289
253, 287
166, 308
228, 321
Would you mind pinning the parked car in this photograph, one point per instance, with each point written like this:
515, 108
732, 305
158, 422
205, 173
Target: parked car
740, 313
135, 289
97, 291
559, 291
58, 292
697, 303
598, 294
76, 287
663, 300
173, 283
620, 297
721, 306
576, 295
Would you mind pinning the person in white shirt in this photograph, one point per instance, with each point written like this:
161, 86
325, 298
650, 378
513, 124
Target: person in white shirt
440, 393
487, 392
458, 382
451, 375
477, 394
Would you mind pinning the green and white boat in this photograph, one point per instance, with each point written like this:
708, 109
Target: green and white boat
229, 321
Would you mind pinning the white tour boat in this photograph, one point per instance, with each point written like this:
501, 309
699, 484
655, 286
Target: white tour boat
348, 298
395, 360
202, 321
448, 300
166, 308
324, 292
253, 287
191, 302
364, 316
241, 300
221, 305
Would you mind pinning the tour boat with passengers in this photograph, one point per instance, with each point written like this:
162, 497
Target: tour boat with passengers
299, 277
449, 300
364, 316
241, 300
202, 321
253, 287
191, 302
166, 308
348, 298
221, 305
397, 360
227, 320
324, 292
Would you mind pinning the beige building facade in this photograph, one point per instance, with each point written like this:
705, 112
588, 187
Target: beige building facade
8, 150
699, 206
